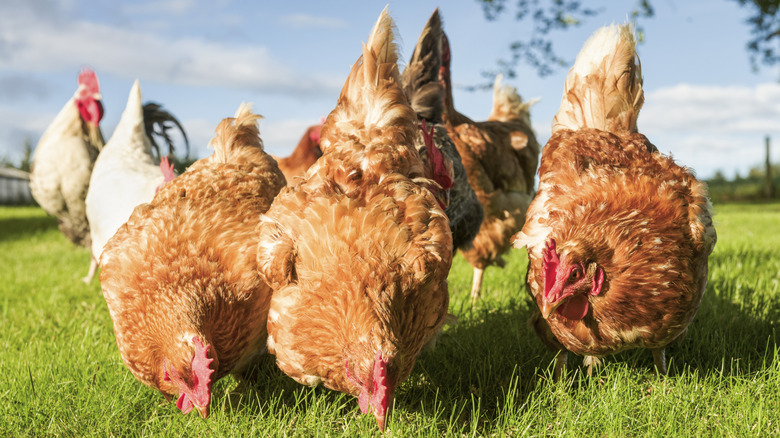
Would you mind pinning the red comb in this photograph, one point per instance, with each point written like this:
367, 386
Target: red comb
314, 133
550, 261
201, 373
200, 391
379, 390
167, 170
88, 79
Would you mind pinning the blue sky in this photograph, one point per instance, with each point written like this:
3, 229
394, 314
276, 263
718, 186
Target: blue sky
200, 60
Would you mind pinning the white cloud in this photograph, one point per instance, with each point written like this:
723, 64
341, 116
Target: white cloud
160, 7
29, 42
279, 136
688, 107
713, 128
300, 21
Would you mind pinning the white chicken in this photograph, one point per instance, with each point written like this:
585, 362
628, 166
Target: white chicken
64, 157
124, 176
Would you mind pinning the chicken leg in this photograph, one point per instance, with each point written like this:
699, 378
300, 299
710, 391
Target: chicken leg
476, 284
560, 364
659, 357
92, 269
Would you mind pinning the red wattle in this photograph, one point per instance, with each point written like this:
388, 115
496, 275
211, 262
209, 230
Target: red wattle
185, 404
575, 307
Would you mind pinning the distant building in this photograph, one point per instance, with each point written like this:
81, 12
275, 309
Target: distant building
15, 187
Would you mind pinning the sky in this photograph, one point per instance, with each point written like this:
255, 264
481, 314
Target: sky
704, 104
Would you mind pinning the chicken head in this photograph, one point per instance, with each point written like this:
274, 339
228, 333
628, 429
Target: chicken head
441, 170
88, 99
196, 394
568, 283
376, 396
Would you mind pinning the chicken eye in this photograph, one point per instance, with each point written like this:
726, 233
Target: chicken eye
575, 274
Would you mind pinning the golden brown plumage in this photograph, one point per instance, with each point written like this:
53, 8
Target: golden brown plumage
500, 157
358, 253
618, 235
183, 267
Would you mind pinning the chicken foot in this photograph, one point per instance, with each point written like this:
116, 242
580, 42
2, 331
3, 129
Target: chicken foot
591, 362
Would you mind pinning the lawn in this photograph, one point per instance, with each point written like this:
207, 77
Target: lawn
61, 373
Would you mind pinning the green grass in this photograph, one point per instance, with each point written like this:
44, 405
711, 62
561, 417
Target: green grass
61, 373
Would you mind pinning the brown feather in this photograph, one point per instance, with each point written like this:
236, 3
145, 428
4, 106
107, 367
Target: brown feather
500, 156
184, 264
363, 246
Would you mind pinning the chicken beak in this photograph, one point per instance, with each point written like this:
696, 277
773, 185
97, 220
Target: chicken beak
381, 419
549, 306
203, 411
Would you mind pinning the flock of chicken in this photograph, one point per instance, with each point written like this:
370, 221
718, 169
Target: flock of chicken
336, 258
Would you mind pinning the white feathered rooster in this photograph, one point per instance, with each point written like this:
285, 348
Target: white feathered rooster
64, 157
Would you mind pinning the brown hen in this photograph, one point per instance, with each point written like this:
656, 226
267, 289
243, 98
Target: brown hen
618, 235
304, 155
500, 157
358, 253
179, 277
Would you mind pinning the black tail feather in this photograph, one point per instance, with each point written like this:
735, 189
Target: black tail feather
157, 122
421, 76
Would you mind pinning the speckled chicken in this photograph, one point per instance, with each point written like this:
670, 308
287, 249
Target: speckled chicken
63, 160
500, 156
179, 277
618, 235
359, 252
425, 93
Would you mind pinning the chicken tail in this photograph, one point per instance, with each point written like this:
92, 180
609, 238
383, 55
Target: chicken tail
421, 76
236, 133
508, 105
157, 122
604, 88
372, 94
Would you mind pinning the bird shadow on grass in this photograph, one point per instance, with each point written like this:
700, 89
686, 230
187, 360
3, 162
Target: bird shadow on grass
265, 388
488, 357
20, 228
732, 334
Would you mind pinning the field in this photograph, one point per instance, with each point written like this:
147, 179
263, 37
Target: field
61, 373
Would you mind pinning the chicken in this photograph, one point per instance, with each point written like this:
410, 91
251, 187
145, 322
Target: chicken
125, 174
304, 155
358, 253
618, 235
179, 277
425, 94
500, 157
63, 160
